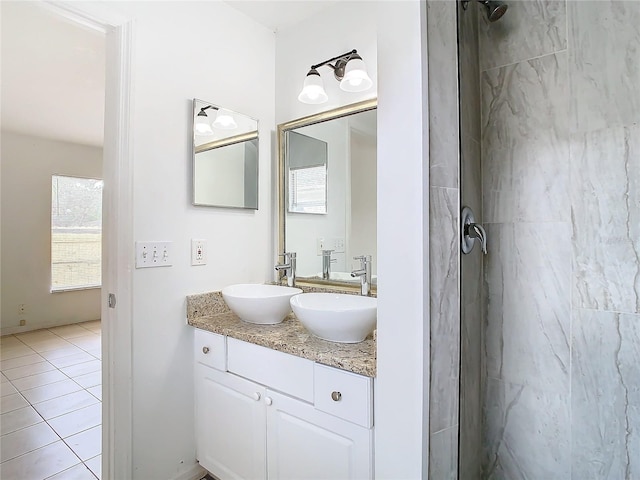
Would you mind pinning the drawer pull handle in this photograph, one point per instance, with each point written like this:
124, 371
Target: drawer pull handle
256, 396
268, 401
336, 396
205, 350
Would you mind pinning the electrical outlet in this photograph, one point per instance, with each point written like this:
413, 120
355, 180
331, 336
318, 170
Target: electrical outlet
23, 323
153, 254
198, 252
338, 244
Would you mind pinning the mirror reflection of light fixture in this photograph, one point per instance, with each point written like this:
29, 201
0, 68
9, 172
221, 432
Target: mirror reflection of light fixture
224, 121
349, 70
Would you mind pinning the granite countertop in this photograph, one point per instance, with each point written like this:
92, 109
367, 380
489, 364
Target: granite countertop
209, 312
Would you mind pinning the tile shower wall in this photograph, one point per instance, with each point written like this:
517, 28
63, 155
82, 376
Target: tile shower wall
561, 202
444, 276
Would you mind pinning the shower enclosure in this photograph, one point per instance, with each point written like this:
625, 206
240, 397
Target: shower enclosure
548, 139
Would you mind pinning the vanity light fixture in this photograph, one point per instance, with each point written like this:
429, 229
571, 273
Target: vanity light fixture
224, 121
348, 69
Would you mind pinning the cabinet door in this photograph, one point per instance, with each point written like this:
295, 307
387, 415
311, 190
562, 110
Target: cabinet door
304, 443
230, 425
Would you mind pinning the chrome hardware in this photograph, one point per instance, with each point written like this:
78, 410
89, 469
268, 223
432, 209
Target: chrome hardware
268, 401
336, 396
289, 267
111, 300
471, 231
205, 350
256, 396
326, 264
364, 273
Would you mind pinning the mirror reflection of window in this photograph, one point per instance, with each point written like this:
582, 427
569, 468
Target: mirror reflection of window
307, 174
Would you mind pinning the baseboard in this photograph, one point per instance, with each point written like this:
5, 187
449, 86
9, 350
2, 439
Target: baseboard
194, 473
32, 326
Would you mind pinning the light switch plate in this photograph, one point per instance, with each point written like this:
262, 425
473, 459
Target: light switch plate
153, 254
198, 252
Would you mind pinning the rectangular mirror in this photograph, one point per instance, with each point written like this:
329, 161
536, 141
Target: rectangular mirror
328, 166
225, 157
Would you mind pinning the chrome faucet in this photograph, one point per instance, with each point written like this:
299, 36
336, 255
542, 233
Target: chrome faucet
364, 273
326, 264
289, 267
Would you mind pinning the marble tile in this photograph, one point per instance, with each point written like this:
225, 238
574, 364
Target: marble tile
87, 444
64, 404
527, 181
51, 390
15, 351
69, 360
77, 421
13, 401
605, 401
605, 201
20, 361
527, 327
69, 331
82, 368
444, 382
78, 472
469, 70
524, 101
444, 247
471, 175
39, 379
28, 370
443, 454
41, 463
526, 434
443, 94
604, 66
6, 388
18, 419
26, 440
95, 464
528, 29
470, 391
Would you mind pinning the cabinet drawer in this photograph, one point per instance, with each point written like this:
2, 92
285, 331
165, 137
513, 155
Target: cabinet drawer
210, 349
344, 394
280, 371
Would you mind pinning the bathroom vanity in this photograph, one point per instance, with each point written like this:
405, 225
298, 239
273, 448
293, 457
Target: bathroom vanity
274, 402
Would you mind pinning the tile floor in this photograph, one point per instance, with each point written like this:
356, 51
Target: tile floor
50, 404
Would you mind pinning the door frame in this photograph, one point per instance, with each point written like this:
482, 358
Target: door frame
117, 245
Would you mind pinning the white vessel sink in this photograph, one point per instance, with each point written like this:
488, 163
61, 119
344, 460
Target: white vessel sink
257, 303
336, 317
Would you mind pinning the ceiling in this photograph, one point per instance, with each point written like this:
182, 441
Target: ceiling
279, 14
53, 70
52, 75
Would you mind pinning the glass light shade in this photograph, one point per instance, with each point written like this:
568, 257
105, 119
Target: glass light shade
202, 125
355, 77
313, 90
224, 120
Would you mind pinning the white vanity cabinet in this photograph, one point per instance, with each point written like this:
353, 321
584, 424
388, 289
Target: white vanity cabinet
263, 414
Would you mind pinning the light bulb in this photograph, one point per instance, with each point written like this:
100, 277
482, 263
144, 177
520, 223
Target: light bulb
313, 89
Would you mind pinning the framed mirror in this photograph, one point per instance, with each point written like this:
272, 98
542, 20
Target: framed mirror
225, 157
327, 189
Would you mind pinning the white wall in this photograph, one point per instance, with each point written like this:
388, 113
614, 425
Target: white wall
181, 51
389, 37
28, 163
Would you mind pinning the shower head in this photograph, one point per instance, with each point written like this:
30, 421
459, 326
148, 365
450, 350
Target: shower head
495, 10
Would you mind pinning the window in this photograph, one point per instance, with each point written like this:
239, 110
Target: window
307, 178
308, 190
76, 233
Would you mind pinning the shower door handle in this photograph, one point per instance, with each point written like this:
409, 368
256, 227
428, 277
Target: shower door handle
471, 231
